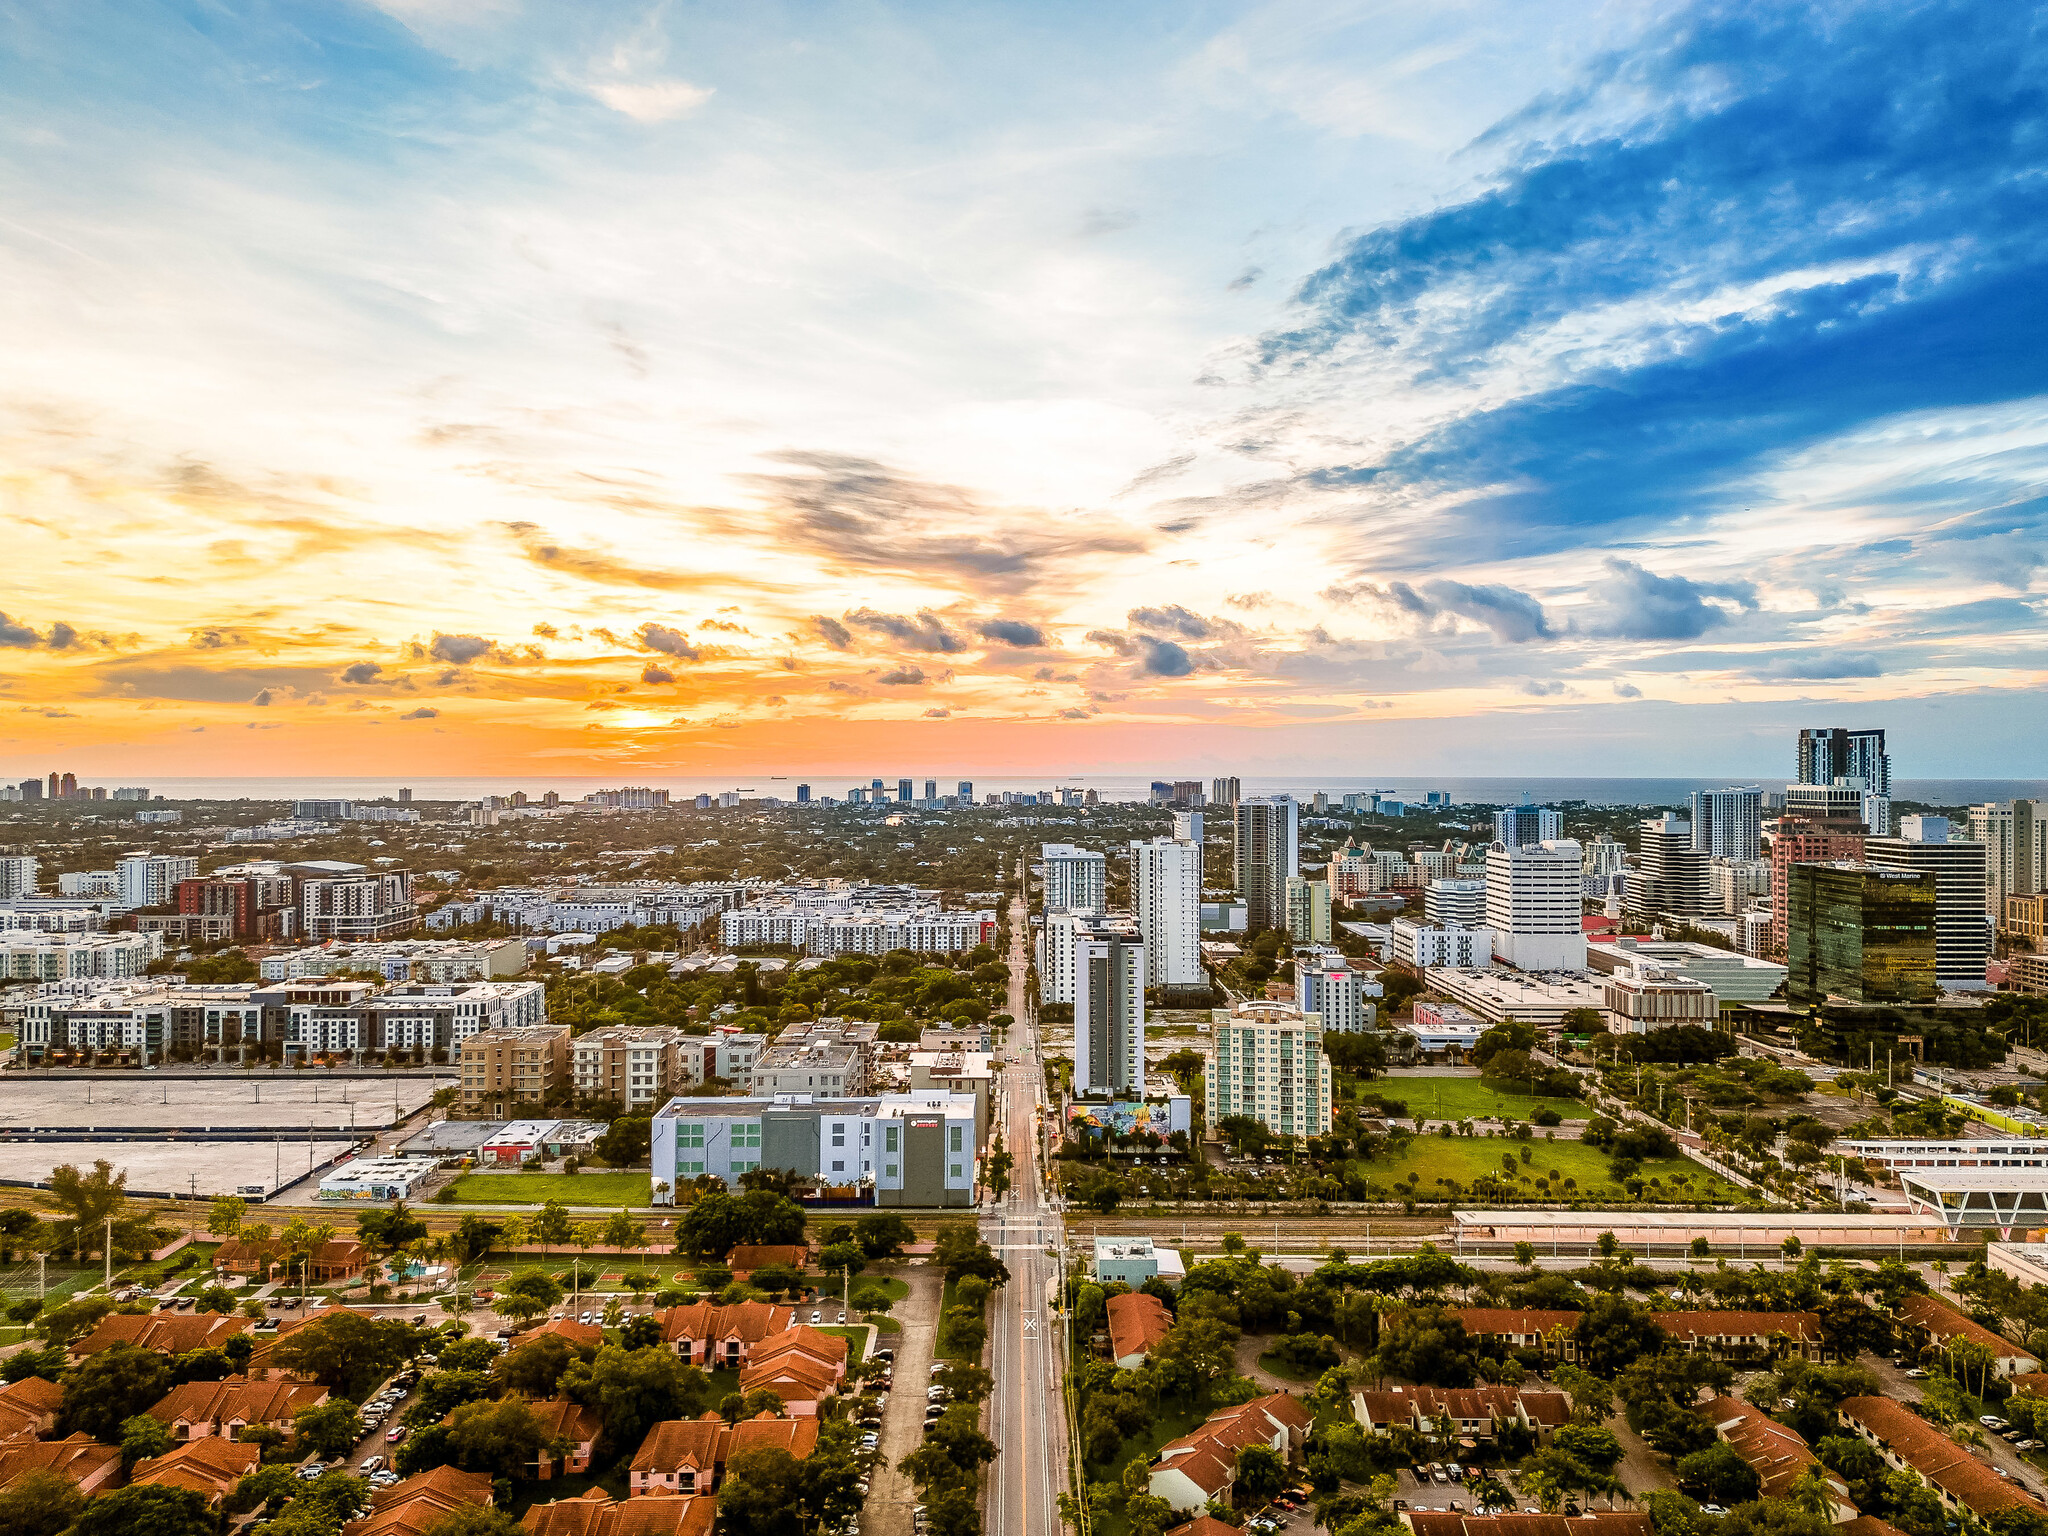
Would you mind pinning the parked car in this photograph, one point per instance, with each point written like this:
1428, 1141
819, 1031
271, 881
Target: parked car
396, 1435
1914, 1373
1988, 1420
372, 1464
816, 1318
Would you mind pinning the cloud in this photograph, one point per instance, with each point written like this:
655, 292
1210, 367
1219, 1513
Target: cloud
424, 712
1627, 691
651, 673
1073, 714
1637, 604
1176, 620
597, 566
1014, 632
653, 101
906, 677
17, 636
1163, 658
263, 699
545, 631
459, 649
831, 631
923, 633
938, 714
361, 672
1245, 279
1512, 615
670, 642
1815, 666
1541, 690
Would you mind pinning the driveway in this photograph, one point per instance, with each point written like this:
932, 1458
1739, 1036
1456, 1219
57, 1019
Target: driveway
891, 1495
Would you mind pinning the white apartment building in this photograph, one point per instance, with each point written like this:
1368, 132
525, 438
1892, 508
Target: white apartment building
99, 883
1308, 910
1341, 994
1268, 852
1533, 904
51, 917
1427, 946
1187, 828
1075, 878
1166, 898
73, 956
17, 877
638, 1066
1109, 1015
2015, 838
1728, 823
1733, 884
1059, 940
1455, 903
150, 879
1265, 1062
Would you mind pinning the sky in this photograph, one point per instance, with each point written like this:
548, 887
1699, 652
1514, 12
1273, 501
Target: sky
496, 386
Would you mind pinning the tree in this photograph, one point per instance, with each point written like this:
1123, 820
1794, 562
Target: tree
225, 1214
266, 1485
328, 1429
778, 1279
476, 1520
1612, 1332
443, 1392
883, 1234
153, 1510
634, 1389
1427, 1344
1260, 1474
533, 1370
627, 1143
622, 1231
763, 1494
551, 1228
712, 1226
469, 1355
217, 1298
1525, 1254
842, 1258
472, 1239
390, 1230
1717, 1475
1590, 1445
75, 1319
503, 1438
345, 1351
141, 1438
960, 1251
528, 1295
39, 1504
105, 1390
88, 1201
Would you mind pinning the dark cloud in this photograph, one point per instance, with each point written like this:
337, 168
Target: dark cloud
831, 631
1815, 666
1245, 279
1163, 658
263, 699
652, 673
1512, 615
670, 642
424, 712
864, 516
1073, 714
459, 649
1638, 604
545, 631
361, 672
17, 636
1627, 691
938, 714
599, 566
1176, 620
1541, 690
923, 633
1012, 632
906, 677
1818, 210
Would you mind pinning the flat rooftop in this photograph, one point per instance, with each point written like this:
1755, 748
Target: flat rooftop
176, 1168
1967, 1180
151, 1101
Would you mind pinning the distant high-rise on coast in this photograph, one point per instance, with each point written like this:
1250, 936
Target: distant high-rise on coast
1520, 824
1268, 852
1225, 791
1832, 753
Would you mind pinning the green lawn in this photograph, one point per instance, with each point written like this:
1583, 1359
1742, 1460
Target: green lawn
888, 1285
1465, 1158
1274, 1365
1468, 1098
1172, 1421
856, 1343
612, 1190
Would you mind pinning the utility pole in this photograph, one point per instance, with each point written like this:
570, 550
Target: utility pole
108, 1255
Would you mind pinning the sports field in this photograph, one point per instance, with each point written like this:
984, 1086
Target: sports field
1466, 1158
1469, 1098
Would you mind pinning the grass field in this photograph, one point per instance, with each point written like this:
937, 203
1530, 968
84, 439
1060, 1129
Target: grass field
856, 1343
1173, 1420
1468, 1098
609, 1190
888, 1285
1465, 1158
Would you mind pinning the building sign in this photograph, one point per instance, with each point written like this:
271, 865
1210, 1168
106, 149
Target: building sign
1122, 1119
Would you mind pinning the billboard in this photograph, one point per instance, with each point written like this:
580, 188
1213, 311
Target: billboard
1162, 1120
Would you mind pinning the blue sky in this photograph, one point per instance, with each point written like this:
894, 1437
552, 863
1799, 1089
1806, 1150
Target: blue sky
1476, 386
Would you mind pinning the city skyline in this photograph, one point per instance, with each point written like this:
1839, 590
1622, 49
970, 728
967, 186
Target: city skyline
617, 391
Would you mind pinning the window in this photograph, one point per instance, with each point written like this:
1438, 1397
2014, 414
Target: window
839, 1165
690, 1136
955, 1170
748, 1135
958, 1132
889, 1140
889, 1171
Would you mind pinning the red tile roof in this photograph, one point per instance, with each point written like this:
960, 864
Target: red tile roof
1600, 1523
80, 1458
1208, 1457
748, 1321
798, 1436
1944, 1323
1496, 1320
1136, 1322
677, 1443
1938, 1459
578, 1336
171, 1333
237, 1399
210, 1467
421, 1502
752, 1256
28, 1407
1778, 1455
1712, 1326
596, 1514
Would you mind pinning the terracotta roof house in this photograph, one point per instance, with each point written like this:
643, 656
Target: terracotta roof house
798, 1436
1136, 1322
799, 1366
1907, 1441
1199, 1467
1778, 1455
722, 1337
81, 1458
1600, 1523
259, 1367
1555, 1333
748, 1257
210, 1467
597, 1514
339, 1258
1939, 1326
1475, 1413
1867, 1525
421, 1502
168, 1333
224, 1408
1204, 1525
578, 1425
584, 1338
1731, 1335
680, 1456
28, 1408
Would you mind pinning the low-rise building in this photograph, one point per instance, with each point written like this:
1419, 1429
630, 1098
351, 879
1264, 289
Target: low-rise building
634, 1065
415, 1505
1196, 1468
167, 1333
801, 1365
28, 1408
1649, 996
1554, 1333
1428, 946
376, 1178
688, 1456
1733, 977
1134, 1260
917, 1149
211, 1468
577, 1427
597, 1514
1779, 1455
825, 1069
1732, 1335
227, 1407
1473, 1413
1965, 1485
720, 1338
1539, 999
1136, 1322
79, 1459
503, 1069
1933, 1324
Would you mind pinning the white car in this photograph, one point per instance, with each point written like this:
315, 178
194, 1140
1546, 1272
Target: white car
816, 1318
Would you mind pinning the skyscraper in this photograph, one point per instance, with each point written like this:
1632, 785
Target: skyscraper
1109, 1015
1223, 791
803, 794
1520, 824
966, 791
1533, 905
2015, 838
1308, 910
1166, 897
1268, 851
1832, 753
931, 789
1860, 933
1728, 823
1962, 931
905, 791
1074, 878
1670, 873
1801, 841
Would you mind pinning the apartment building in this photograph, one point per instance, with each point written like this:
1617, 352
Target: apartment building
1533, 905
827, 1068
505, 1068
638, 1066
1265, 1062
916, 1149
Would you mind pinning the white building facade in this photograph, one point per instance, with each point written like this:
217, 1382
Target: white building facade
1533, 905
1166, 899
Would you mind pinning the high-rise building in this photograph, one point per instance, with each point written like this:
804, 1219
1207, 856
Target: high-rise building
1962, 931
56, 787
1353, 872
905, 791
17, 876
1109, 1015
322, 810
1187, 828
877, 791
151, 879
1166, 898
31, 789
1728, 823
1343, 996
1075, 878
1268, 852
966, 791
1308, 910
1059, 948
1533, 904
405, 797
1840, 806
67, 788
1803, 841
1224, 791
1520, 824
1455, 903
1670, 873
931, 789
1265, 1063
1187, 793
1861, 934
1831, 753
2015, 838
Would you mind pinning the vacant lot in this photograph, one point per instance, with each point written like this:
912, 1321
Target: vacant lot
1579, 1171
613, 1190
1469, 1098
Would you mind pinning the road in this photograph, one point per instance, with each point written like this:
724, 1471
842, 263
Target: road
1027, 1412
